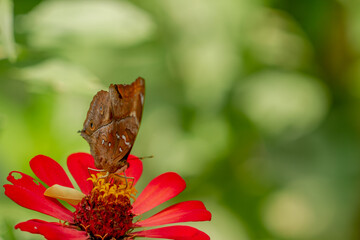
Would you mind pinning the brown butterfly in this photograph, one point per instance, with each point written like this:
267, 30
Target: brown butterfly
112, 123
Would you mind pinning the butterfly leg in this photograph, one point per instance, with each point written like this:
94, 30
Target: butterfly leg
126, 180
99, 170
122, 170
95, 170
104, 176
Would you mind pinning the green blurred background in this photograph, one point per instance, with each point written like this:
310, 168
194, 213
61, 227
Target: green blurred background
254, 102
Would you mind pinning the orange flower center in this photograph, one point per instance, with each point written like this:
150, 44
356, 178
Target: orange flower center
106, 212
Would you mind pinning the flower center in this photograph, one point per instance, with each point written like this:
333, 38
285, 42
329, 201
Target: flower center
106, 212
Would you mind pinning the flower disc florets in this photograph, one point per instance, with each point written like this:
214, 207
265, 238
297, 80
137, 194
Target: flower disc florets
106, 212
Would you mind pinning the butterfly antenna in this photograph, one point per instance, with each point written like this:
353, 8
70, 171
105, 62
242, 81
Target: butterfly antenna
151, 156
80, 131
141, 158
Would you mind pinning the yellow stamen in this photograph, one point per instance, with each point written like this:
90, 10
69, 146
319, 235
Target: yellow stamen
102, 237
110, 191
85, 228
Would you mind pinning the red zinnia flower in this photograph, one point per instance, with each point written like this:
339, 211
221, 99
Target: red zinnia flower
103, 210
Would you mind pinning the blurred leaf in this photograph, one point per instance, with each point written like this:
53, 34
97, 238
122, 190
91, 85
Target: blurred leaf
7, 230
55, 24
282, 104
310, 205
61, 76
6, 29
273, 38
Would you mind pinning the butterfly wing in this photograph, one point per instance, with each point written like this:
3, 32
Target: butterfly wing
99, 114
111, 146
127, 103
111, 130
128, 100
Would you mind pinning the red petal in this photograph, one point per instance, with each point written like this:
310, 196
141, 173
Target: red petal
190, 211
135, 168
27, 193
49, 171
174, 232
51, 231
78, 164
159, 190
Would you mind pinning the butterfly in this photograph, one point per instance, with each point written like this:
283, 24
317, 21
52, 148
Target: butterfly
112, 124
